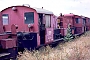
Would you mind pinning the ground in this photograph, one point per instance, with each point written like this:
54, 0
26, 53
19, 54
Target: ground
78, 49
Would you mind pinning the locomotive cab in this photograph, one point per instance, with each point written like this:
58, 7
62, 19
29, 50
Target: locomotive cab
45, 28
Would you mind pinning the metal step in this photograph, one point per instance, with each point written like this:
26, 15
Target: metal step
58, 40
4, 54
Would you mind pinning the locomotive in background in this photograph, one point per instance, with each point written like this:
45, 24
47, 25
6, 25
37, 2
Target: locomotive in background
78, 24
36, 26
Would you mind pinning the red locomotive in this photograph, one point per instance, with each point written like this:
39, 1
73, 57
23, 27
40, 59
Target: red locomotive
78, 24
28, 27
35, 26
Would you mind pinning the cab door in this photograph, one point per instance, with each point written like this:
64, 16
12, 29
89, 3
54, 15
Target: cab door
41, 29
49, 29
49, 35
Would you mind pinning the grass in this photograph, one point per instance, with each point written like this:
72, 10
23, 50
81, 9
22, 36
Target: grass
79, 49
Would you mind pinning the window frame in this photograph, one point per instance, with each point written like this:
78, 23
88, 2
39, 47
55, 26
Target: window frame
50, 21
89, 20
84, 21
7, 19
29, 17
77, 20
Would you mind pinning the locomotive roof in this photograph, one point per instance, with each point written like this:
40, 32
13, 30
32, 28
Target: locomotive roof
68, 14
72, 15
40, 10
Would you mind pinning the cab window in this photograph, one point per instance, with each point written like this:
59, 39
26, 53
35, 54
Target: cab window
29, 17
5, 19
48, 20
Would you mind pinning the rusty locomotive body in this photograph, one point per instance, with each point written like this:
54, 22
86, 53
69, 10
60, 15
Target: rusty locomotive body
26, 27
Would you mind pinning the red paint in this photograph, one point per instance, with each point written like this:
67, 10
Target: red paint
78, 24
13, 29
49, 35
88, 23
3, 36
1, 25
17, 17
8, 43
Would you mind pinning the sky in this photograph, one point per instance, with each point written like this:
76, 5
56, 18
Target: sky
79, 7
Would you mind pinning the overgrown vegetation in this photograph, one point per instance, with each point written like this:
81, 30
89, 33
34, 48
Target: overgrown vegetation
69, 35
78, 49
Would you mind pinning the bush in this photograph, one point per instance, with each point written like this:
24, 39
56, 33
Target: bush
69, 35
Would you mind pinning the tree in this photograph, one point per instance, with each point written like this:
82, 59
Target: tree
69, 35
